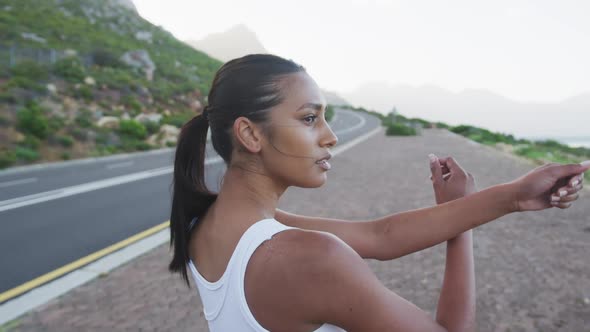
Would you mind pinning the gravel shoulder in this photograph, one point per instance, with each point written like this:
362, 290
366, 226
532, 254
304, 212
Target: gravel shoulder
532, 268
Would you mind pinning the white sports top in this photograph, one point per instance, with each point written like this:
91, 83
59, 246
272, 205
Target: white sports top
224, 301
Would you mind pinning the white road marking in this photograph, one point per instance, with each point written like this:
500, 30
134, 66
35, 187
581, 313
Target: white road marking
38, 296
17, 182
339, 149
119, 165
355, 127
100, 184
86, 187
45, 293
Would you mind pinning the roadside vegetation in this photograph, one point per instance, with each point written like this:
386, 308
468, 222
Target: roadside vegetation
540, 151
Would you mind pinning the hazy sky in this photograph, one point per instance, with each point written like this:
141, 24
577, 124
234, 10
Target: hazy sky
533, 50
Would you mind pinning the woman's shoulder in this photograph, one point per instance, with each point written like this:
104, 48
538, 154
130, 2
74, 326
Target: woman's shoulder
287, 276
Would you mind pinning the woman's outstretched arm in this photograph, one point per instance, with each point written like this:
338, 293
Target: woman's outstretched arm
411, 231
403, 233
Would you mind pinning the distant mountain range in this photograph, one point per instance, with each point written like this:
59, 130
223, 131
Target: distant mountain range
478, 107
239, 41
233, 43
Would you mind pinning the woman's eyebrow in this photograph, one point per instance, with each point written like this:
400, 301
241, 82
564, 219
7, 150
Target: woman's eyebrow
314, 106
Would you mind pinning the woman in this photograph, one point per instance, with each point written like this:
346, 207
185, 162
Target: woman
258, 268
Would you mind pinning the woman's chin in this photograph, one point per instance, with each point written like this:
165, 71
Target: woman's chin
317, 182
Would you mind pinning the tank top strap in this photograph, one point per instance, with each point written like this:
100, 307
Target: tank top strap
256, 235
214, 294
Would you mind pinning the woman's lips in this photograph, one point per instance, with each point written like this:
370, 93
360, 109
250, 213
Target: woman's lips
324, 164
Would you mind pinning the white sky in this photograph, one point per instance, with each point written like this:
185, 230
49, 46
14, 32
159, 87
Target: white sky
524, 50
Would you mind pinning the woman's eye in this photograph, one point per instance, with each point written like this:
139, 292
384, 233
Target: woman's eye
309, 119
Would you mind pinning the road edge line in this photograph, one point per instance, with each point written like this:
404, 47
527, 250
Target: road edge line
44, 288
119, 254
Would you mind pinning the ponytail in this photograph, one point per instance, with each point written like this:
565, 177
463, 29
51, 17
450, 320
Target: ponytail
190, 198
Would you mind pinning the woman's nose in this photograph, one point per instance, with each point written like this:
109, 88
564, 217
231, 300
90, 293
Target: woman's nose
330, 139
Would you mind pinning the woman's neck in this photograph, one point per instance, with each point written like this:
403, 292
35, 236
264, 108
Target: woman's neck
246, 197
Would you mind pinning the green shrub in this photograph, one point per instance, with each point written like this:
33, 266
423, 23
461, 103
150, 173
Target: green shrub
170, 144
178, 119
31, 120
25, 83
463, 129
31, 70
66, 155
26, 154
442, 125
31, 142
131, 102
162, 90
143, 146
116, 78
84, 118
152, 127
106, 58
70, 69
55, 123
84, 92
7, 97
65, 141
398, 129
7, 158
483, 136
78, 134
424, 123
133, 129
329, 113
132, 144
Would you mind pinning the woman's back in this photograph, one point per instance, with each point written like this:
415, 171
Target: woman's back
224, 300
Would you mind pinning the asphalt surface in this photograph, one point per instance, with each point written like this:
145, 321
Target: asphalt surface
55, 214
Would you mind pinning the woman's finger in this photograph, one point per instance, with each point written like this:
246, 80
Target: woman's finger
569, 198
561, 205
575, 180
568, 190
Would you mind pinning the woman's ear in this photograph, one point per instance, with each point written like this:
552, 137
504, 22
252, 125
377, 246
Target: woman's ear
247, 134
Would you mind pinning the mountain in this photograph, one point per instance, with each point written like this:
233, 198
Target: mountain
478, 107
334, 98
239, 41
233, 43
83, 78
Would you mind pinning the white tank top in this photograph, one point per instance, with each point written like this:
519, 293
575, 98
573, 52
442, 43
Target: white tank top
224, 301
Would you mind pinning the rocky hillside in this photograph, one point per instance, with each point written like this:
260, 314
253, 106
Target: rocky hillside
85, 78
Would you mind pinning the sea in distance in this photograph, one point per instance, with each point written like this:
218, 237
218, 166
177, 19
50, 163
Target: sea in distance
573, 141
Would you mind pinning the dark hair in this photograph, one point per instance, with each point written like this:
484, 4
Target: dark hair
248, 86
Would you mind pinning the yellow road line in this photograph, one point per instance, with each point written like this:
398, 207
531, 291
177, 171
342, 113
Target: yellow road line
79, 263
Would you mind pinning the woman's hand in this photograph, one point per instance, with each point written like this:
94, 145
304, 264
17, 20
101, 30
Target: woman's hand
550, 185
449, 180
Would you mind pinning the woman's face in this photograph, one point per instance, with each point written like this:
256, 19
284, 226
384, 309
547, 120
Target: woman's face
297, 146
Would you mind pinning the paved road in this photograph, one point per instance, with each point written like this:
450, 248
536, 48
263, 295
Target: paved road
532, 269
72, 219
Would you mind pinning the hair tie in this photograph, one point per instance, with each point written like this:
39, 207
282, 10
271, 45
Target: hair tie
192, 224
205, 113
